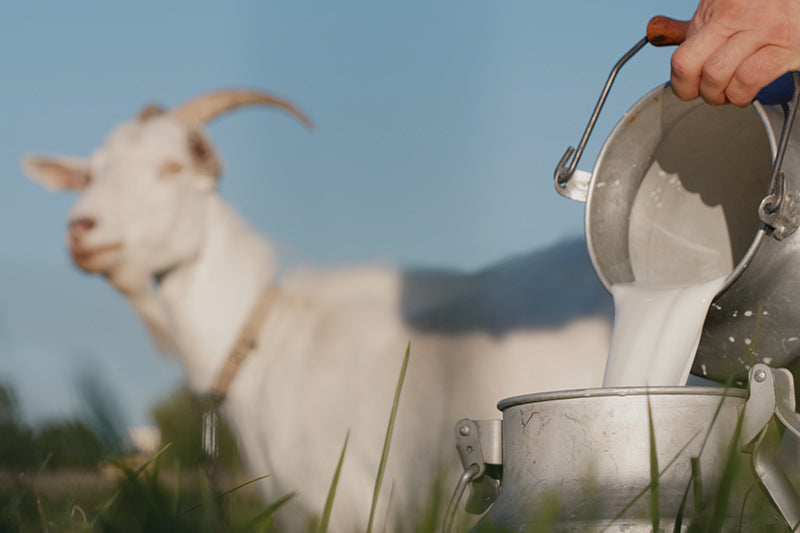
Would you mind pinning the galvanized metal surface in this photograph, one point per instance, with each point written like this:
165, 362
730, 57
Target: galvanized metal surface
586, 456
770, 408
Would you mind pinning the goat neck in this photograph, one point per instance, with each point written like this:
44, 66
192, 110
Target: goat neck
209, 297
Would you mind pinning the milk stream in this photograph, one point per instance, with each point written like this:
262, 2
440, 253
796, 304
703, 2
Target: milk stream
656, 332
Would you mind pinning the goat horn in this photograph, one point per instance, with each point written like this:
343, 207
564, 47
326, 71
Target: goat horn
208, 106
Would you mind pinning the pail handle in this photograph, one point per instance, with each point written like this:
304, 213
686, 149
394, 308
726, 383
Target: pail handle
661, 31
665, 31
773, 210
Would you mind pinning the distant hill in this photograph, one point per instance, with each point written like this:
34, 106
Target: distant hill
543, 289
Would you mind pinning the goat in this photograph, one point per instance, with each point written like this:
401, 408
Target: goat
327, 351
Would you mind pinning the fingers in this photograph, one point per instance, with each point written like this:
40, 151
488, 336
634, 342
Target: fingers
756, 72
736, 69
690, 57
734, 73
725, 65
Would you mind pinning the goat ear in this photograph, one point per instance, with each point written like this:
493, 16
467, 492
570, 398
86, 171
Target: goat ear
204, 157
57, 173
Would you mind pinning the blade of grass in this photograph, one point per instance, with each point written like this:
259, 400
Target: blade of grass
223, 494
78, 510
265, 516
176, 502
723, 397
681, 509
387, 441
696, 480
744, 504
722, 496
129, 474
25, 491
150, 461
650, 485
242, 485
326, 512
389, 503
264, 526
697, 483
42, 519
655, 508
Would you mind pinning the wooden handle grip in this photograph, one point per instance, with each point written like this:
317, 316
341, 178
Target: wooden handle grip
664, 31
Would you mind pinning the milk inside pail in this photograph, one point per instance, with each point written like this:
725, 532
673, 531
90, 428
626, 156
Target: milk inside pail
674, 199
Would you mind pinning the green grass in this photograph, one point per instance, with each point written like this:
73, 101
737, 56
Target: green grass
168, 492
162, 493
141, 500
388, 440
326, 511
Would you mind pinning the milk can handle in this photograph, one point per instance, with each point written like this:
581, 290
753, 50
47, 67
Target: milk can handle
770, 407
661, 31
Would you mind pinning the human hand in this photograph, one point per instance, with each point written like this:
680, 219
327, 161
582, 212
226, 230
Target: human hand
734, 48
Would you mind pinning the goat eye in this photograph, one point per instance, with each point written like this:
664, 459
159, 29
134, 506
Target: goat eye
170, 168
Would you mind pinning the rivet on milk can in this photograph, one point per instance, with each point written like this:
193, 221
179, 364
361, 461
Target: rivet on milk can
681, 192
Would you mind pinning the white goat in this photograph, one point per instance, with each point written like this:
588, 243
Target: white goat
328, 353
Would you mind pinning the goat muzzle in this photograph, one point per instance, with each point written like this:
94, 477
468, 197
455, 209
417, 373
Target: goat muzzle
78, 228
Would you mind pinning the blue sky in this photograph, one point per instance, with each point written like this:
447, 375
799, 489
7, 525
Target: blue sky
438, 126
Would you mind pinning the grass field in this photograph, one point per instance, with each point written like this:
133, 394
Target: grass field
80, 476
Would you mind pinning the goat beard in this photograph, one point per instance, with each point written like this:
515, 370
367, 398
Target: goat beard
137, 286
87, 260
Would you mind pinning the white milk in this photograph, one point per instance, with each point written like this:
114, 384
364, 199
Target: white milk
656, 332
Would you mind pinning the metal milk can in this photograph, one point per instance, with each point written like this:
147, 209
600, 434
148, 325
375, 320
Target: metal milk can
634, 460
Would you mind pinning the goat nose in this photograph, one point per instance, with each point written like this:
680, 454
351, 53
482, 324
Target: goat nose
79, 227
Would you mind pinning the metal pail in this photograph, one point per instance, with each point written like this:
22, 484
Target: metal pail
677, 197
594, 461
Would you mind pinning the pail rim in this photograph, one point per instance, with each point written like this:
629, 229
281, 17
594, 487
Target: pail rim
514, 401
652, 99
